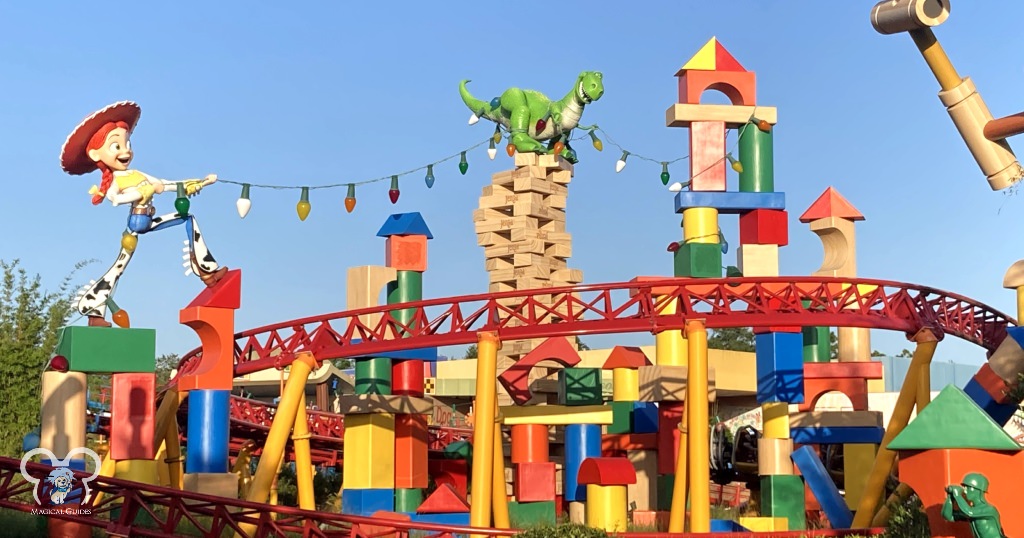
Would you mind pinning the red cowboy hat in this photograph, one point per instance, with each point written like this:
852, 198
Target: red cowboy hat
73, 157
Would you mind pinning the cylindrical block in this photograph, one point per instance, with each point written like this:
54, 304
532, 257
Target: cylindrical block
208, 425
407, 377
529, 443
670, 346
625, 385
406, 288
969, 114
854, 344
757, 157
373, 375
776, 420
773, 456
700, 225
408, 499
63, 412
894, 16
582, 441
577, 512
606, 508
816, 344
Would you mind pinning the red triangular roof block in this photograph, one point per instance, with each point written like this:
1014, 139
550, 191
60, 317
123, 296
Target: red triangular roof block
626, 357
831, 204
724, 61
444, 500
226, 293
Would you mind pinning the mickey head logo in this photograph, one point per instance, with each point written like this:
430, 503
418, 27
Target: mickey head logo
61, 482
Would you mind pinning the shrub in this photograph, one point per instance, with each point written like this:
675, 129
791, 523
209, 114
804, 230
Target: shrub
567, 530
908, 519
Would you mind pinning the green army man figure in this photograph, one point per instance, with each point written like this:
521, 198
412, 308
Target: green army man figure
966, 502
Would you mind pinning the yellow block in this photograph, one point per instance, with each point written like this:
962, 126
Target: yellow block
776, 420
700, 225
369, 451
857, 461
625, 385
606, 508
670, 346
876, 385
554, 415
144, 471
765, 524
705, 58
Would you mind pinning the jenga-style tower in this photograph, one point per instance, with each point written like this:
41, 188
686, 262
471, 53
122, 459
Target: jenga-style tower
521, 225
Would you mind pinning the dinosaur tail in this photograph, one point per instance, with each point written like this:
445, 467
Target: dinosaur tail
480, 108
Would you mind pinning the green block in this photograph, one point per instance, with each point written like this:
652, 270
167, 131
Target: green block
953, 420
524, 515
783, 496
756, 155
816, 344
579, 386
408, 287
666, 483
622, 417
700, 260
408, 499
105, 350
373, 376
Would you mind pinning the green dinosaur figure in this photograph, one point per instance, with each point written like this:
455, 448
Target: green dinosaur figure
967, 502
531, 117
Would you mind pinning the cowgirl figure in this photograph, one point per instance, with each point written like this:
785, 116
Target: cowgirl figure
102, 142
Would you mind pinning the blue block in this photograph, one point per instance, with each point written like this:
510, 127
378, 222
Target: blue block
405, 224
780, 367
645, 417
428, 354
208, 426
1000, 412
364, 502
831, 436
818, 479
582, 441
442, 519
730, 203
727, 525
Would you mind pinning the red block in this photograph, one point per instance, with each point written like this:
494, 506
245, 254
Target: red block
515, 379
407, 377
133, 416
626, 357
444, 500
216, 330
406, 252
535, 482
226, 293
707, 156
454, 473
738, 86
411, 451
995, 386
620, 442
607, 472
670, 414
764, 227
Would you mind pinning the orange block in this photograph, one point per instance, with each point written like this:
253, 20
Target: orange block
529, 443
216, 330
411, 451
995, 386
406, 252
738, 86
133, 416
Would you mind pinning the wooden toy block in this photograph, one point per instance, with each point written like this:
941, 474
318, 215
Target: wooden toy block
758, 260
133, 411
953, 420
707, 152
558, 250
645, 519
1000, 412
764, 524
407, 377
506, 224
606, 508
514, 274
625, 442
660, 383
622, 417
529, 443
531, 246
815, 435
524, 515
683, 115
780, 367
670, 414
444, 500
783, 496
849, 378
226, 293
836, 419
970, 114
502, 201
535, 482
994, 385
405, 224
773, 456
384, 403
369, 452
643, 494
626, 357
562, 177
700, 225
373, 375
625, 385
64, 405
666, 482
557, 415
406, 252
738, 86
443, 519
582, 441
216, 484
645, 417
1006, 361
366, 501
216, 330
516, 378
730, 203
775, 420
363, 289
764, 227
523, 234
857, 462
607, 472
411, 451
104, 350
824, 489
525, 159
568, 276
579, 386
700, 260
454, 473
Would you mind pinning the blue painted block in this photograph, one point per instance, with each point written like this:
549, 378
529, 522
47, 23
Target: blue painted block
780, 367
730, 203
405, 224
208, 426
364, 502
442, 519
582, 441
1000, 412
831, 436
818, 479
727, 525
645, 417
428, 354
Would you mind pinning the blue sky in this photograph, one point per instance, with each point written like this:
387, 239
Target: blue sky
320, 93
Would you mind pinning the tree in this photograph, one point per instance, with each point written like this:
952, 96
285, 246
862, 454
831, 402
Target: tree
343, 364
876, 353
905, 354
164, 364
470, 352
833, 346
30, 320
734, 339
581, 346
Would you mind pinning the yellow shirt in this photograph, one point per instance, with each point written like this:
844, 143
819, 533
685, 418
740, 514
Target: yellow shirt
129, 178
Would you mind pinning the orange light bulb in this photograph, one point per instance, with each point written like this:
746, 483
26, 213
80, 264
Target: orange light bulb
121, 319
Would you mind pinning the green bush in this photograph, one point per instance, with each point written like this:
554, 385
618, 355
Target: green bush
908, 520
566, 530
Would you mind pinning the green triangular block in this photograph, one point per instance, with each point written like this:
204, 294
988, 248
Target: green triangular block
953, 420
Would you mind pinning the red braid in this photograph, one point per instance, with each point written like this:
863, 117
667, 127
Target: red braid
96, 142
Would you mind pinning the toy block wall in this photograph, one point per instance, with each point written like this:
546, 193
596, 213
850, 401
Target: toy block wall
133, 412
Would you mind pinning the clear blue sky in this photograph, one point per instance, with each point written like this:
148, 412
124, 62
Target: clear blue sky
317, 93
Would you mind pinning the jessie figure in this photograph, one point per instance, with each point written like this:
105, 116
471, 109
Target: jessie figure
102, 142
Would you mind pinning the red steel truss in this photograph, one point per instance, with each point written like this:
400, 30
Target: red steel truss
619, 308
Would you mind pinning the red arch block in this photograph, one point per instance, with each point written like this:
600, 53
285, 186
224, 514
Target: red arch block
738, 86
849, 378
516, 379
607, 472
